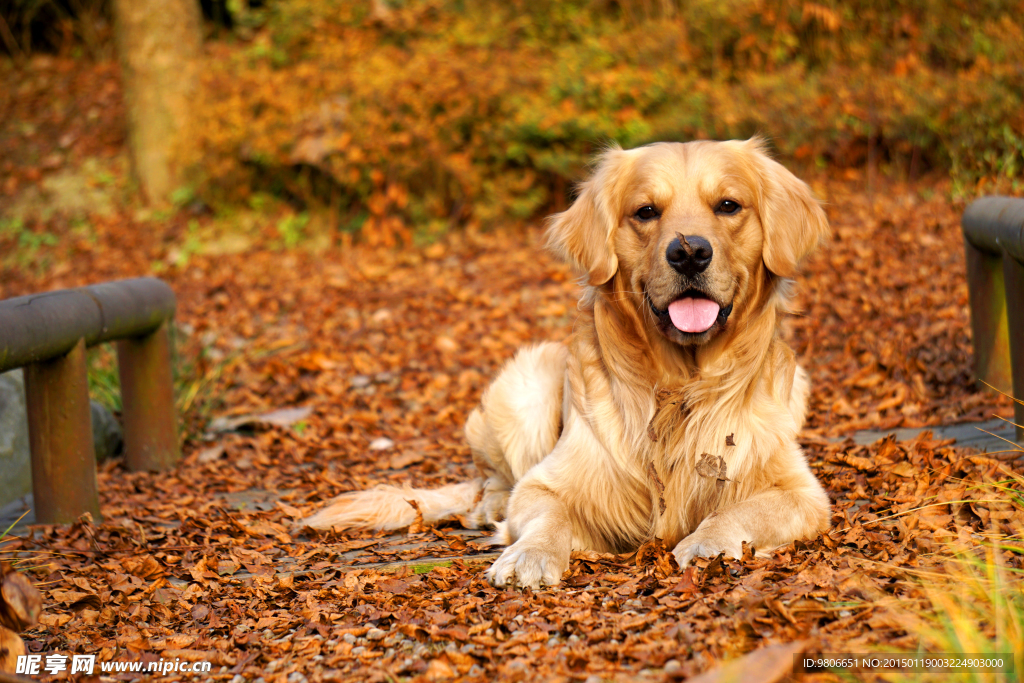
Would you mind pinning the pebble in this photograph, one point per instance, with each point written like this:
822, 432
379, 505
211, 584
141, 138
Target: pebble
349, 638
375, 634
358, 650
671, 666
381, 444
393, 639
297, 677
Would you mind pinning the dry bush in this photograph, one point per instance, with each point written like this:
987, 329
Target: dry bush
443, 112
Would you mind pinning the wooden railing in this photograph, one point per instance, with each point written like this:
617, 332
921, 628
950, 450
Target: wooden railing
994, 241
47, 334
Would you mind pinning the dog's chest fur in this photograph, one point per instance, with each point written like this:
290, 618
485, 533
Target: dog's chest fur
707, 443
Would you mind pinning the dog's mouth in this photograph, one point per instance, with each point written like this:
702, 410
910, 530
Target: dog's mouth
693, 314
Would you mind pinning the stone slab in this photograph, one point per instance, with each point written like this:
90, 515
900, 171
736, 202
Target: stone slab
993, 436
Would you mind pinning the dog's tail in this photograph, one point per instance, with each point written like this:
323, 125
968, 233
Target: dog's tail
388, 507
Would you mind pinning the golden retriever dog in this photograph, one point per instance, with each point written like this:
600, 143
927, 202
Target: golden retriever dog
673, 409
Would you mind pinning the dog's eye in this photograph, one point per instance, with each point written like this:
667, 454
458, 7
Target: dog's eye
647, 212
728, 207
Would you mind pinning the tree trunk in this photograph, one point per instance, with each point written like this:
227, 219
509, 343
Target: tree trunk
158, 43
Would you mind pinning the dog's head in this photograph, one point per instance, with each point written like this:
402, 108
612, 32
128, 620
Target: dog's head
694, 232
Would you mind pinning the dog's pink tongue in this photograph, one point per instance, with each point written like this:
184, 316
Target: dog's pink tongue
693, 315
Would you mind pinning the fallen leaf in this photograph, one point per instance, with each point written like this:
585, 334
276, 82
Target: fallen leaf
767, 665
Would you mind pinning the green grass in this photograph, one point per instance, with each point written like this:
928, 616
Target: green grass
977, 610
28, 244
104, 383
195, 381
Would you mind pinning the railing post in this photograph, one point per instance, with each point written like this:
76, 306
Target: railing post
989, 326
60, 435
147, 398
993, 230
1013, 277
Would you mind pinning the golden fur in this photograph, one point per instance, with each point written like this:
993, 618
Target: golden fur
634, 429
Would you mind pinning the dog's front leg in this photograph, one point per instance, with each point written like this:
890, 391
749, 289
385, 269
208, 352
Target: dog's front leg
798, 508
539, 523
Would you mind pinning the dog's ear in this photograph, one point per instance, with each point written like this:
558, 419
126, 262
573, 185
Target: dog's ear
584, 234
793, 221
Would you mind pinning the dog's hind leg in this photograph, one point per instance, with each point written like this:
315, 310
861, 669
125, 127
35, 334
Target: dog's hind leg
517, 424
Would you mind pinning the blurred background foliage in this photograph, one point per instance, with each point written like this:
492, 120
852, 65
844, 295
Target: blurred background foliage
406, 118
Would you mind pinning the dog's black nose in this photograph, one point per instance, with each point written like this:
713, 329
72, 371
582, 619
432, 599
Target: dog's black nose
689, 255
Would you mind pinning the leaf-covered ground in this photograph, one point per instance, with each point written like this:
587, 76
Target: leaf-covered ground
203, 563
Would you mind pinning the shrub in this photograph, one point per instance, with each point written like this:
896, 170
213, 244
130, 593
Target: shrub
441, 112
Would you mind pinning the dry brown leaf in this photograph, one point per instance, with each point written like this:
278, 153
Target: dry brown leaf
767, 665
11, 647
21, 602
404, 459
143, 566
417, 525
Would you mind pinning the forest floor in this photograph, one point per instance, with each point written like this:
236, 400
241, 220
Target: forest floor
389, 350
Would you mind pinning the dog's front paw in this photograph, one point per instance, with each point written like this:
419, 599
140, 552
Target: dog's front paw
528, 565
699, 544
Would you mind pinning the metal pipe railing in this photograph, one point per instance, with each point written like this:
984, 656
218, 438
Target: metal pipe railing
993, 230
47, 334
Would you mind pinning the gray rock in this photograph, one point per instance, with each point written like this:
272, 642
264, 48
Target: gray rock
15, 466
394, 639
107, 436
